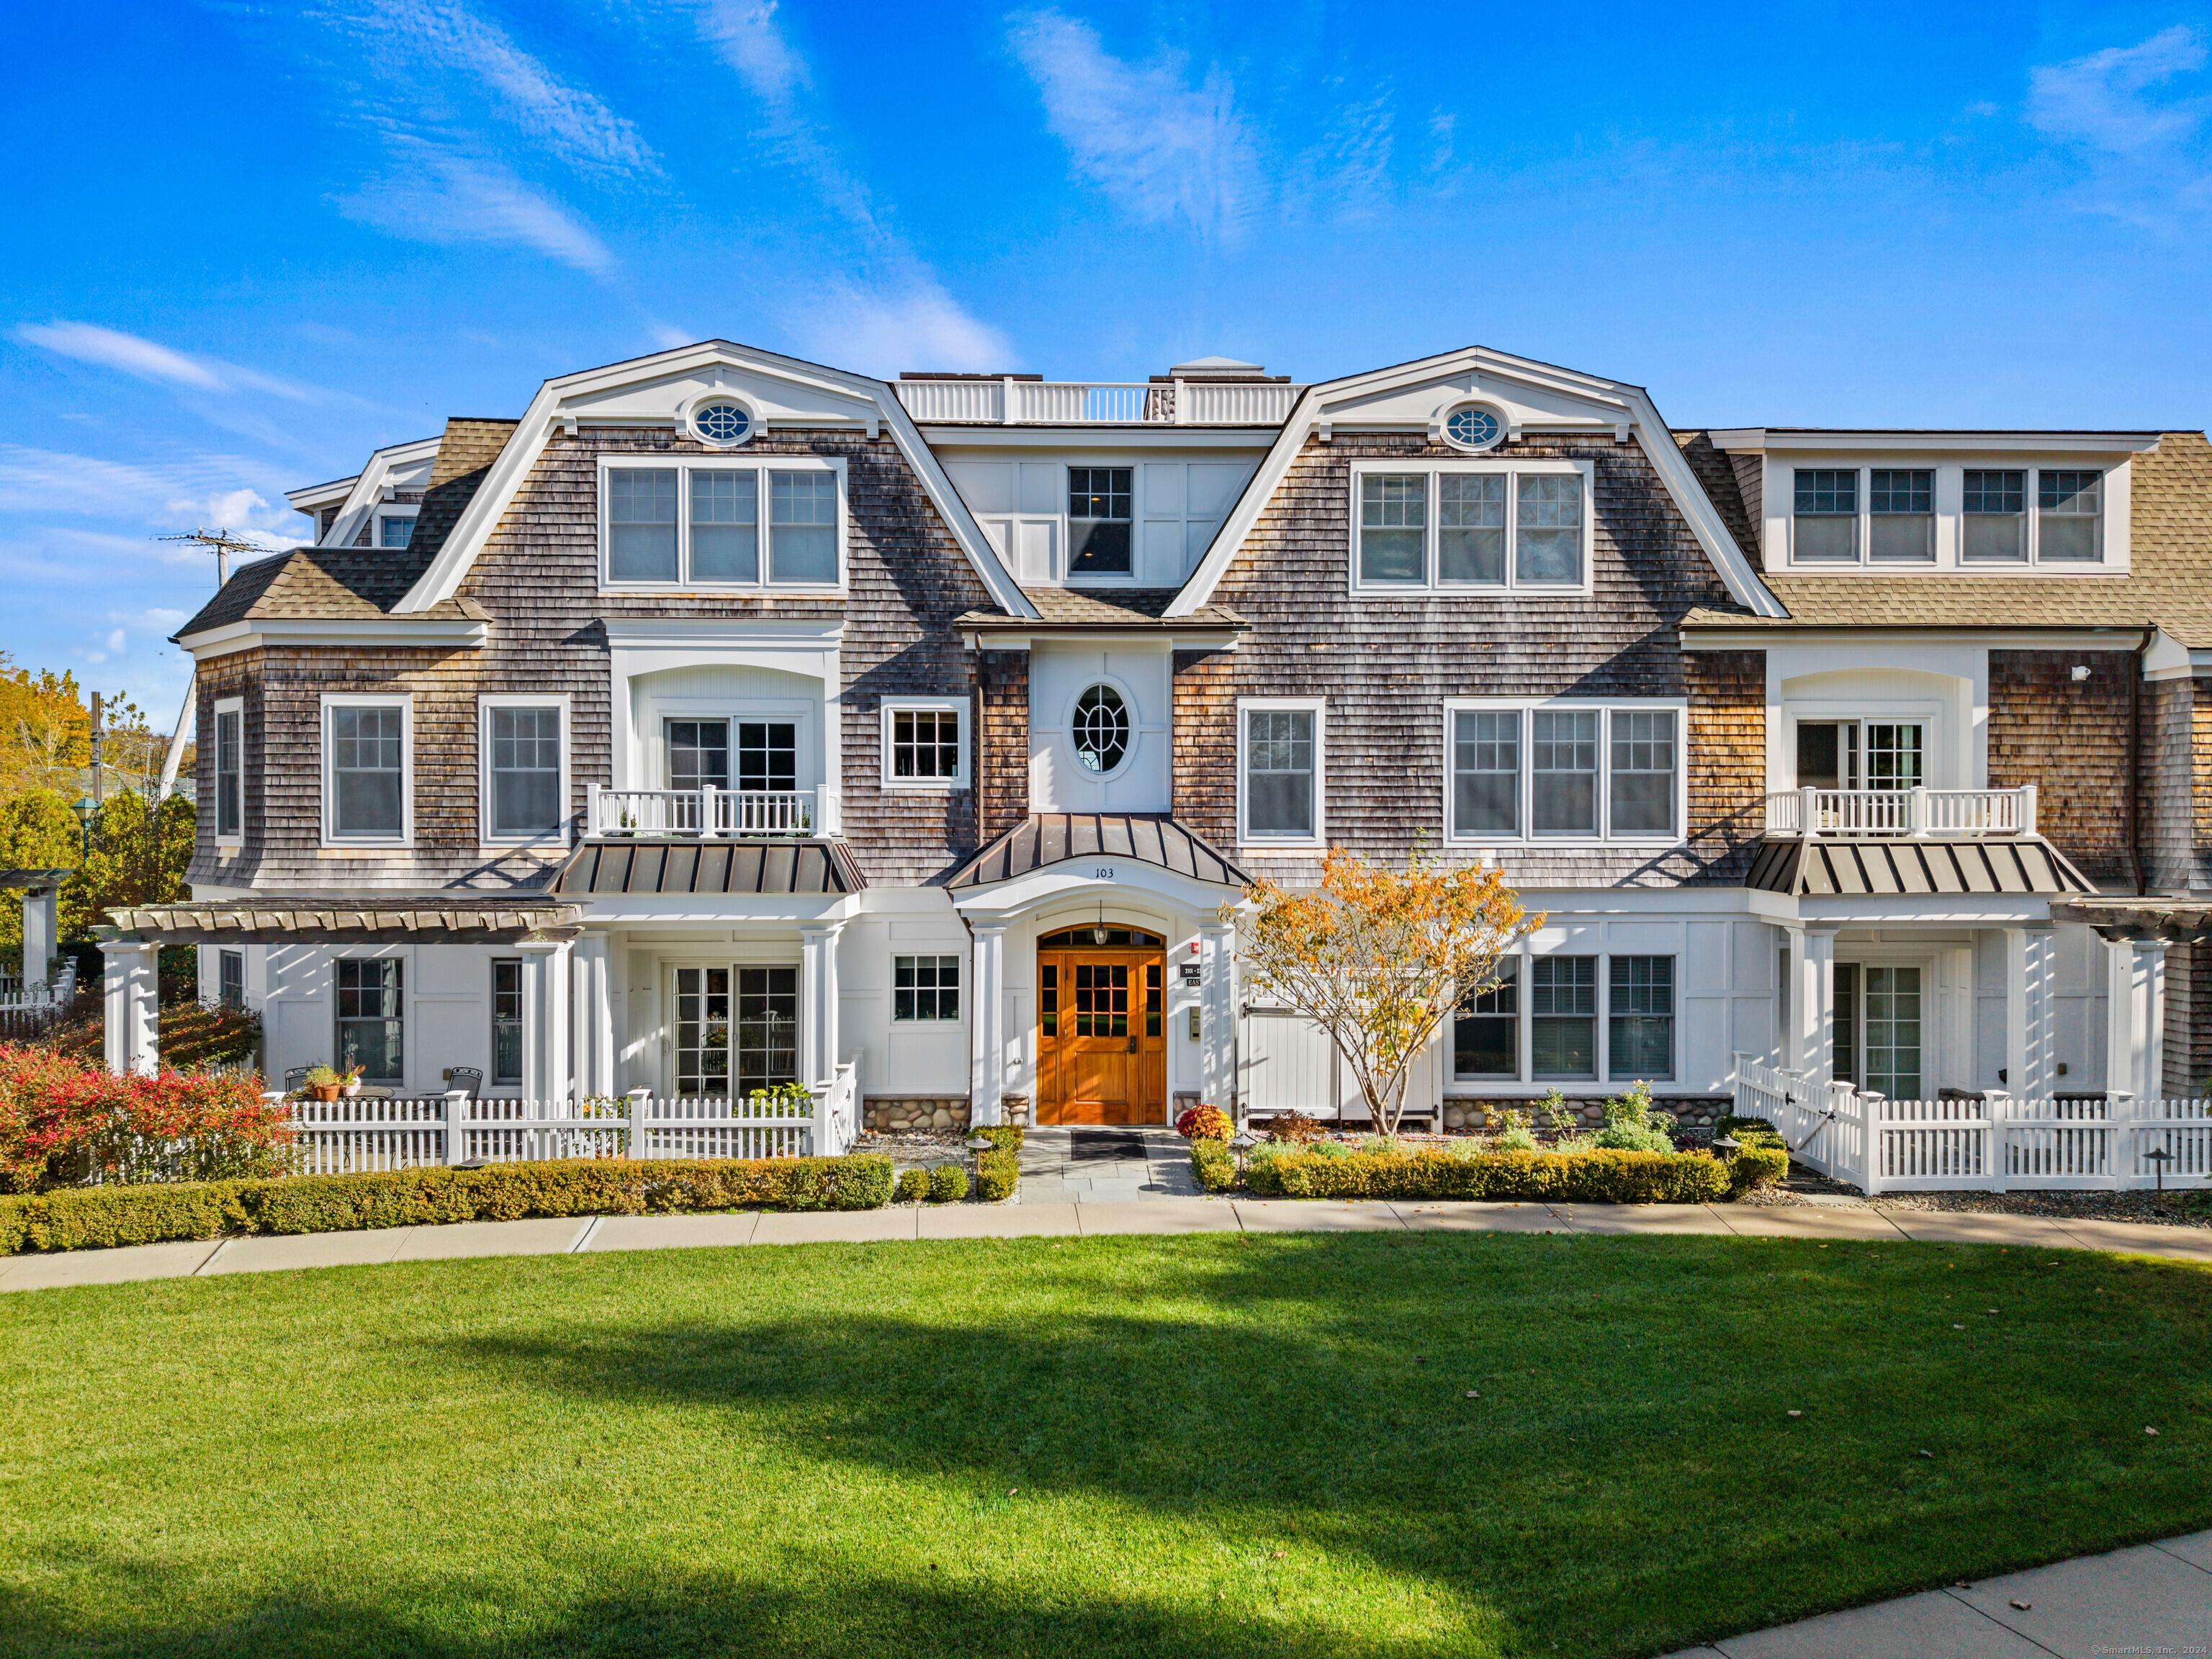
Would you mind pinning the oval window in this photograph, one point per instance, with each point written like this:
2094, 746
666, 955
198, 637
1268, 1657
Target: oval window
723, 423
1471, 428
1102, 728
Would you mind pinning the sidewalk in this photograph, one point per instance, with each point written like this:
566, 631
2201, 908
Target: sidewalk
1081, 1214
2153, 1599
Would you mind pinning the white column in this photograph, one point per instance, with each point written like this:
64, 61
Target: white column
545, 1019
592, 1015
1217, 1015
132, 1017
818, 1029
2134, 1017
40, 933
1809, 1043
986, 999
2031, 1013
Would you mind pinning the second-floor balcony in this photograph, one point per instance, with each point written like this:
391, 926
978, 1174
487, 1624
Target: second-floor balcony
711, 813
1924, 813
1011, 400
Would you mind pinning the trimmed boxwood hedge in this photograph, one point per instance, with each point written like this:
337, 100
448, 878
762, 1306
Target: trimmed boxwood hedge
1594, 1177
93, 1218
998, 1172
1213, 1163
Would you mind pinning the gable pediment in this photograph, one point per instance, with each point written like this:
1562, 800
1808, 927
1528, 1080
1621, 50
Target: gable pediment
1421, 402
779, 399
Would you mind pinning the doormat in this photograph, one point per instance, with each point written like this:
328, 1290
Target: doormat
1089, 1146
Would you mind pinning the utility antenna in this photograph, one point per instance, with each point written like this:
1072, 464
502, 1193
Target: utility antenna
222, 543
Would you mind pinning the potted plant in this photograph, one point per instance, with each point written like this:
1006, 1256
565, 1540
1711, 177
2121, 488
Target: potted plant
349, 1082
323, 1084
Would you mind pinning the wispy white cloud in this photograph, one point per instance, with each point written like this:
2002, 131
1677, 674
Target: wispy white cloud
148, 360
667, 337
882, 331
437, 195
200, 489
2106, 99
1159, 144
745, 33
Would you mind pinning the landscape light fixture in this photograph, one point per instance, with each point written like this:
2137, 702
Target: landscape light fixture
979, 1142
1727, 1144
2161, 1157
84, 809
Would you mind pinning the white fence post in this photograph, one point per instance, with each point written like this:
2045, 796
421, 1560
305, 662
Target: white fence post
1997, 1111
591, 826
457, 1132
638, 1096
2028, 809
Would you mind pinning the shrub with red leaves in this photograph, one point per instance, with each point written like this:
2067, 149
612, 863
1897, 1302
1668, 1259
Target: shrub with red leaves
1204, 1123
66, 1123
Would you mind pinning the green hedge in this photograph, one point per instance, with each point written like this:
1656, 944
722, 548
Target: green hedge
948, 1183
913, 1185
997, 1173
1594, 1177
1214, 1165
93, 1218
1007, 1136
1757, 1166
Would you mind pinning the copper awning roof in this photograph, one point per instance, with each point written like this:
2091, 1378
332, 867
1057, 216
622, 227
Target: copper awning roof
1888, 869
1049, 838
621, 866
285, 919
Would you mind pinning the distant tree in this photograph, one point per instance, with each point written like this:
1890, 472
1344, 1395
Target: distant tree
137, 857
45, 730
1378, 958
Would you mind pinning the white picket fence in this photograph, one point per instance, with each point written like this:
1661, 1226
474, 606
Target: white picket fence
39, 997
350, 1136
1997, 1143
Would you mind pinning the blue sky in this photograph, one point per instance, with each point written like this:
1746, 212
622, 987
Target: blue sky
255, 242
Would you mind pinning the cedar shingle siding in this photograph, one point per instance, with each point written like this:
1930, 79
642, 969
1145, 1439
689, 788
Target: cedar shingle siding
537, 579
2048, 730
1386, 665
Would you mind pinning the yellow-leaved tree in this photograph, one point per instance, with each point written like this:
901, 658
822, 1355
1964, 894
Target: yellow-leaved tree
1378, 958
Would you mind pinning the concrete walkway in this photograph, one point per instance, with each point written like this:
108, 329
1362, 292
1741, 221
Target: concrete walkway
1084, 1216
2153, 1599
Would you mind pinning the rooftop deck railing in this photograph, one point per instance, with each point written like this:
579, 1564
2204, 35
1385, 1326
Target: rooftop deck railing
1939, 813
1010, 402
710, 813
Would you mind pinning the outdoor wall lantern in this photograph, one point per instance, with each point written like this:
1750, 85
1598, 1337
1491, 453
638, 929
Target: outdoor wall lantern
84, 810
1098, 934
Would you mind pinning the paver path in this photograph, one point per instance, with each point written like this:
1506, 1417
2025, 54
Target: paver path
2153, 1599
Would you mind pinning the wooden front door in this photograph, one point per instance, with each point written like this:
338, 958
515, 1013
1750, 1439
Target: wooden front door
1102, 1049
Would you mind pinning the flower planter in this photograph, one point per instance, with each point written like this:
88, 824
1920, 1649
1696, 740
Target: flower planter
322, 1092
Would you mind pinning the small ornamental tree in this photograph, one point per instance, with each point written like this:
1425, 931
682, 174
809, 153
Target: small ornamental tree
1378, 958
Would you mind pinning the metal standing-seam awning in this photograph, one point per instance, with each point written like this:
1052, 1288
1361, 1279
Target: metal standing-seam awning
2026, 866
1050, 838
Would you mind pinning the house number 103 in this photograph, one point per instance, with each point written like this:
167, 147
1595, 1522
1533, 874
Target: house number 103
1103, 872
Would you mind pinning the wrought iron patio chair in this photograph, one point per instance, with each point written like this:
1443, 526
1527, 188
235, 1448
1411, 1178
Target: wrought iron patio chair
466, 1077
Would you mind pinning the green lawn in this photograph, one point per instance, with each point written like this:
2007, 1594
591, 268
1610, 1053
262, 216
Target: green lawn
1188, 1446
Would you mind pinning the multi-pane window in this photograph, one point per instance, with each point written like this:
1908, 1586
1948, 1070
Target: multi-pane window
767, 755
229, 774
1901, 507
925, 988
370, 1031
735, 1029
802, 528
1394, 527
525, 771
698, 753
1827, 513
1563, 768
1101, 999
2069, 516
506, 1022
1471, 527
367, 761
392, 531
1549, 529
230, 978
1278, 772
1563, 1017
1892, 1032
1640, 1018
1099, 508
725, 526
1892, 756
1994, 521
1485, 772
926, 744
641, 524
1486, 1027
702, 525
1643, 775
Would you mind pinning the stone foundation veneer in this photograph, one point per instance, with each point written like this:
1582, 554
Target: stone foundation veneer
1467, 1115
890, 1114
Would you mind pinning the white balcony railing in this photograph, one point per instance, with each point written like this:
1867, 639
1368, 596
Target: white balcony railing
711, 813
1009, 402
1919, 813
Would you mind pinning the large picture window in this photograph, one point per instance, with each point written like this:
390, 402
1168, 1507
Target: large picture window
1551, 771
364, 783
699, 525
1472, 527
1282, 761
370, 1033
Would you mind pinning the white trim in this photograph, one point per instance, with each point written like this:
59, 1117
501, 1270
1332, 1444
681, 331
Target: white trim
1440, 428
234, 843
1433, 468
1606, 708
1311, 416
686, 417
377, 543
1319, 708
504, 480
1088, 680
763, 466
365, 493
963, 706
373, 631
486, 701
402, 701
1761, 440
1947, 550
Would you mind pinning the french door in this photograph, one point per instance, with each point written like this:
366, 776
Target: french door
1102, 1050
1879, 1041
736, 1030
1859, 755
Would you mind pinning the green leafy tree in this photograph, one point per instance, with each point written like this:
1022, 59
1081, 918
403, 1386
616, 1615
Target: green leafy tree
137, 857
38, 831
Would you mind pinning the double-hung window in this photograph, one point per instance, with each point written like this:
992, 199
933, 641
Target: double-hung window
1826, 525
1100, 501
1640, 1018
1541, 1022
925, 990
1553, 771
229, 769
2068, 516
1901, 511
525, 789
1459, 526
1486, 1027
1993, 523
370, 1034
1281, 771
1563, 1017
366, 777
698, 523
230, 978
